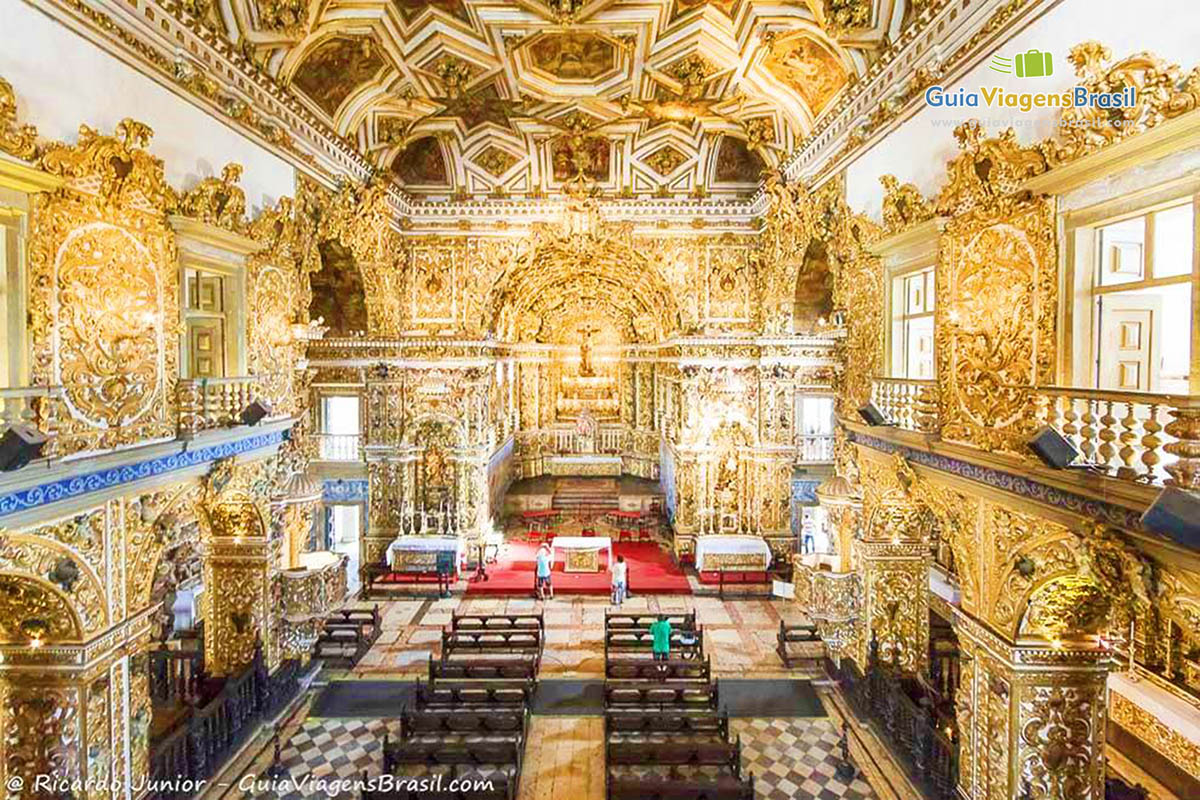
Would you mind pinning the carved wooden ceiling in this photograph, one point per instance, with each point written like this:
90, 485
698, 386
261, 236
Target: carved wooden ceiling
527, 98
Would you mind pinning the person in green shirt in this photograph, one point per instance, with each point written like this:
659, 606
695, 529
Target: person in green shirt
660, 629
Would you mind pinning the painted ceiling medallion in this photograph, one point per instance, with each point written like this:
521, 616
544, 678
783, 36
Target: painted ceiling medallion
665, 160
495, 161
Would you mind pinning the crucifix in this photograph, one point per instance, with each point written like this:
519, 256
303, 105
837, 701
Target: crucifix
585, 350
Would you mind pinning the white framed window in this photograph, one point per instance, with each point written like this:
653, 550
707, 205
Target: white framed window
912, 298
1139, 281
340, 415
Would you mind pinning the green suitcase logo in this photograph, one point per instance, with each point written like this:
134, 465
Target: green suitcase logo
1030, 64
1034, 64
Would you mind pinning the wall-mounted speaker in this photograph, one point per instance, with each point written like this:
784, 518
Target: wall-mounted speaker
1176, 515
20, 444
255, 412
1052, 448
872, 415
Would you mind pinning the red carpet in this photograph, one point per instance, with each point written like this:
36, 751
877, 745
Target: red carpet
651, 571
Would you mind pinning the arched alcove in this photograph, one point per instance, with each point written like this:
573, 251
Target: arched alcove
814, 289
338, 297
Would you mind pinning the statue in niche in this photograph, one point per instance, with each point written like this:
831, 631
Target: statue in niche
585, 351
585, 431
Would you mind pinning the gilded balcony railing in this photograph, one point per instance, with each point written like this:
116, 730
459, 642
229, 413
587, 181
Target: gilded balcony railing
1153, 438
339, 446
910, 405
206, 403
38, 406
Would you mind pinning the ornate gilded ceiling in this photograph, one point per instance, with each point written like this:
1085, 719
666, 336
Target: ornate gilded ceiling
524, 98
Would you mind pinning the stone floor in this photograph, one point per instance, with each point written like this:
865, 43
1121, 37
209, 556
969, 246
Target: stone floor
790, 758
739, 634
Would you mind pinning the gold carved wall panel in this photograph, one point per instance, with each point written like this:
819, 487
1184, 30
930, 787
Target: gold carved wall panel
995, 335
104, 291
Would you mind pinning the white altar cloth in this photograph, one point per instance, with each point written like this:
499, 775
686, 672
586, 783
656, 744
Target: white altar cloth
425, 544
733, 545
582, 543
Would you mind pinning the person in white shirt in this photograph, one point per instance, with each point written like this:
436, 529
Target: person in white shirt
620, 580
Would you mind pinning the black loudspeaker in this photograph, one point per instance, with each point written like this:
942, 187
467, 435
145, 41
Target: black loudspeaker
1050, 446
1176, 515
872, 415
20, 444
255, 412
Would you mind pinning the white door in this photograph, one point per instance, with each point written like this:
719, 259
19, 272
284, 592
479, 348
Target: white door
1130, 336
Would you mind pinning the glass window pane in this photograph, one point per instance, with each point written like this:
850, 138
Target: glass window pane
1122, 251
930, 291
920, 348
1173, 233
916, 293
341, 415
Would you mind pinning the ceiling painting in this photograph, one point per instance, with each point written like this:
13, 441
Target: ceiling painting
736, 163
335, 68
588, 157
410, 9
421, 163
573, 56
497, 81
808, 68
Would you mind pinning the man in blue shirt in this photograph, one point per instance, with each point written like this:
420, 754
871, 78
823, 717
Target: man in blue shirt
542, 584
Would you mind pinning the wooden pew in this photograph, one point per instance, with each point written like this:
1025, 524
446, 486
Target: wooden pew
492, 622
675, 754
665, 788
468, 694
645, 721
795, 634
646, 669
678, 695
684, 643
616, 620
436, 753
521, 668
508, 721
509, 641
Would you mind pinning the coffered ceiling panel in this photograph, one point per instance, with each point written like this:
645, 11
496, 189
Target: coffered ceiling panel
456, 98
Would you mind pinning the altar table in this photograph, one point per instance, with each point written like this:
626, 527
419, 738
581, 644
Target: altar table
419, 553
732, 553
582, 553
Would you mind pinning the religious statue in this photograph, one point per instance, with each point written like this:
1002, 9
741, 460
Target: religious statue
585, 351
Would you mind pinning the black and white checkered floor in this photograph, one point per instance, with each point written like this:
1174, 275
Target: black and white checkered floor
791, 759
795, 759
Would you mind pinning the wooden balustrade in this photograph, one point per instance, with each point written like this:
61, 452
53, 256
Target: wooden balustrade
38, 406
910, 405
339, 446
206, 403
202, 739
926, 745
175, 674
814, 447
1152, 438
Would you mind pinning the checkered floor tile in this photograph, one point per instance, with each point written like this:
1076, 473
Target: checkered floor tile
795, 759
323, 751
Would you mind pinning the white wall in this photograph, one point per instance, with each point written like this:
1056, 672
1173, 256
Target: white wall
62, 80
917, 152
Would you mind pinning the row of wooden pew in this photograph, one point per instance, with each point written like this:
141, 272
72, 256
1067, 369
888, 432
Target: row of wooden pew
665, 737
470, 718
347, 635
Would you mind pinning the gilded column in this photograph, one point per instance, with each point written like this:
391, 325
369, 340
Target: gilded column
238, 558
1031, 718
